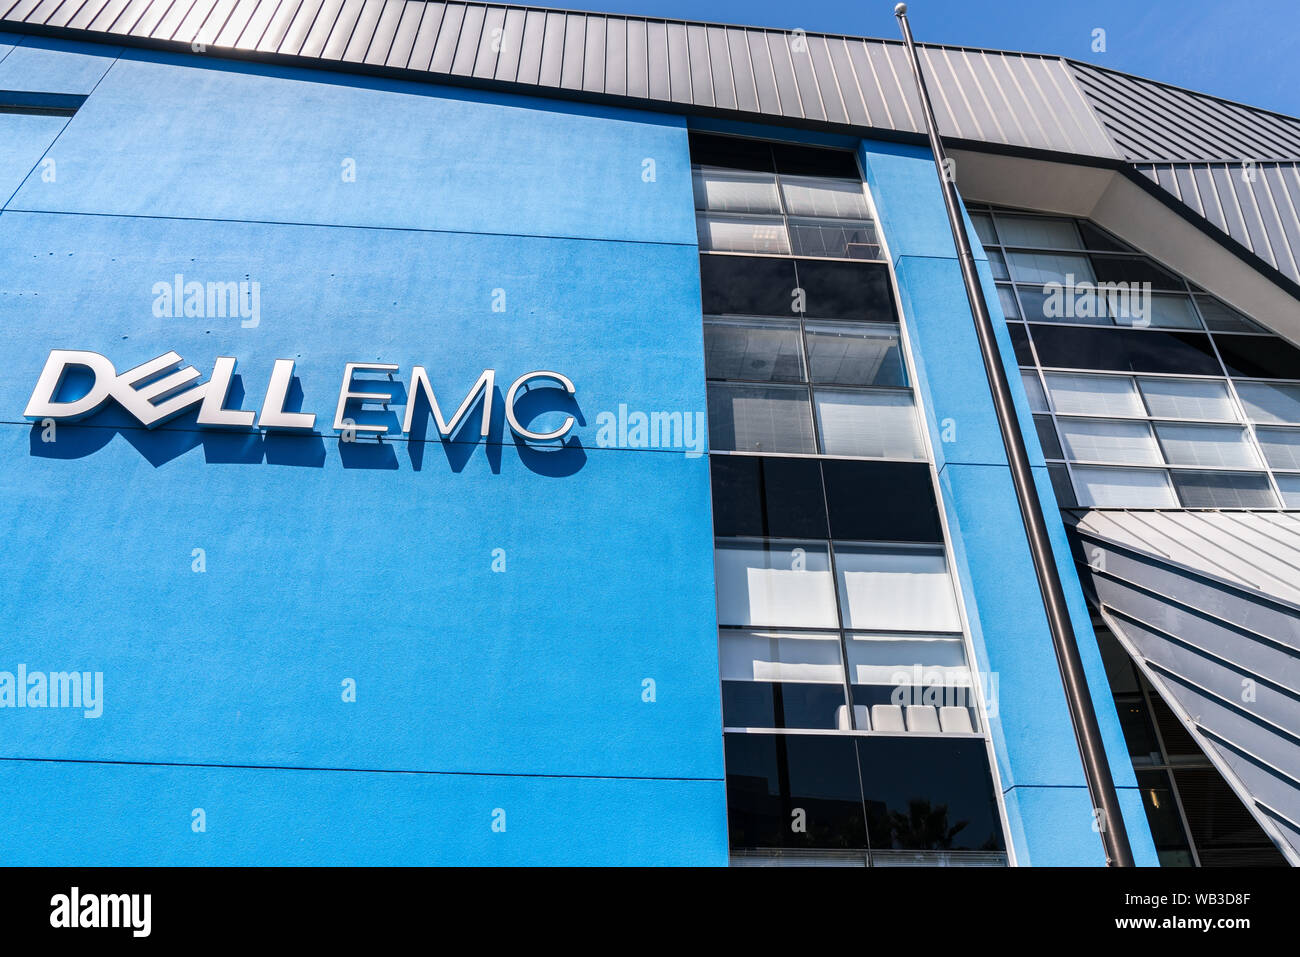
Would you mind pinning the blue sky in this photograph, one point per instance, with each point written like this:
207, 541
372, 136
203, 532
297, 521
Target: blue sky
1241, 51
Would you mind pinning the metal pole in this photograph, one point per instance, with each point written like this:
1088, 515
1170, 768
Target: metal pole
1101, 787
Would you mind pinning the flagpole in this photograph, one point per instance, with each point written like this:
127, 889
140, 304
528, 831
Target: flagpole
1101, 786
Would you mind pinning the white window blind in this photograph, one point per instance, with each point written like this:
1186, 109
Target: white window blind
1131, 488
780, 585
889, 589
869, 424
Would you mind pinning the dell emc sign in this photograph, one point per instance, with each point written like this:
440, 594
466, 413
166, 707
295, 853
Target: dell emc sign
157, 390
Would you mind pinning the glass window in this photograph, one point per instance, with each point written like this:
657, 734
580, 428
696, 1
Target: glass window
1289, 486
762, 496
728, 232
1074, 394
1127, 488
735, 191
1007, 297
769, 350
781, 656
773, 680
855, 354
1206, 445
1020, 343
783, 704
770, 774
892, 660
928, 793
927, 677
1042, 268
1163, 818
881, 501
834, 238
1160, 310
1224, 490
1134, 269
824, 198
998, 265
1126, 350
846, 290
1038, 231
732, 152
1061, 486
1033, 390
786, 585
818, 161
1259, 357
869, 424
1270, 401
747, 286
1063, 305
1281, 447
1047, 437
1102, 440
984, 228
1221, 829
758, 418
1096, 238
1223, 318
895, 589
1188, 399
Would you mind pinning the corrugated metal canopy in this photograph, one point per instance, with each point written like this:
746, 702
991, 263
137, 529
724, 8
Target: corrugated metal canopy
1015, 100
1255, 204
1257, 551
984, 99
1208, 604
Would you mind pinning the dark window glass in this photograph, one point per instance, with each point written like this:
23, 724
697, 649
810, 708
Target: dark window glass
1225, 833
1137, 269
1260, 357
881, 502
1020, 342
929, 794
1139, 733
1124, 350
731, 152
1047, 437
1062, 486
767, 498
780, 704
771, 776
747, 286
1095, 238
846, 290
1120, 672
815, 161
1163, 818
1179, 744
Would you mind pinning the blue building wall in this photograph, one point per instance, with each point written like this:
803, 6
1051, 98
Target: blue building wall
1049, 812
478, 691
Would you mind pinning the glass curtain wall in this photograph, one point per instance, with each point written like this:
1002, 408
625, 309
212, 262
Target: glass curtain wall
852, 728
1147, 391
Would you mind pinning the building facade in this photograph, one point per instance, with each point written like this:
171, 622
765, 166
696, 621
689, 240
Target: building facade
461, 434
